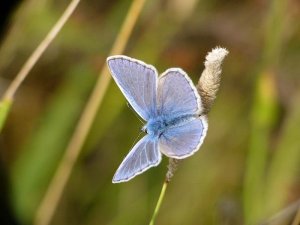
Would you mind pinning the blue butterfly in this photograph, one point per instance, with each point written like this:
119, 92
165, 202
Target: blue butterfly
172, 108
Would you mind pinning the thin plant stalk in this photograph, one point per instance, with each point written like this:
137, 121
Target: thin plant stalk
172, 167
55, 189
31, 61
158, 204
285, 215
208, 86
9, 94
4, 110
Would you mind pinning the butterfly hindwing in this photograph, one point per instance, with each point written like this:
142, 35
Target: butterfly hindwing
138, 83
183, 140
144, 155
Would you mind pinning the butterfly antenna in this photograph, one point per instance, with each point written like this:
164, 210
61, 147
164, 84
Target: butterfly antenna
135, 113
135, 140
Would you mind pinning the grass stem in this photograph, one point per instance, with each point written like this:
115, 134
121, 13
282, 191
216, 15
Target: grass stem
8, 96
34, 57
55, 189
158, 204
5, 105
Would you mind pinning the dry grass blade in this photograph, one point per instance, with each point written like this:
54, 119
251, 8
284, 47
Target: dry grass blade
15, 84
285, 216
9, 94
48, 205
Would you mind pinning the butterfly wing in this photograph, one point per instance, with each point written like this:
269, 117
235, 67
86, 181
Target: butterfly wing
184, 139
144, 155
138, 83
177, 94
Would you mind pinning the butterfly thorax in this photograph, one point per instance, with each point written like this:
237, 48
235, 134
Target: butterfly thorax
156, 126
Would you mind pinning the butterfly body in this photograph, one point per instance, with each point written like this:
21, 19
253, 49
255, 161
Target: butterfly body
171, 107
157, 126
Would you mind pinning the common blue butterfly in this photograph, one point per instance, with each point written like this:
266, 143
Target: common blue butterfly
172, 108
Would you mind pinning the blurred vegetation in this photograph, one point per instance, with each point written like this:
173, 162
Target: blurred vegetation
248, 168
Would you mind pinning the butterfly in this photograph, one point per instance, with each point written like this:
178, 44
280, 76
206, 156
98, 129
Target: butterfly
171, 107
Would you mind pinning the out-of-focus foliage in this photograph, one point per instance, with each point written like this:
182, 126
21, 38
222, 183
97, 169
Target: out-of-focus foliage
248, 167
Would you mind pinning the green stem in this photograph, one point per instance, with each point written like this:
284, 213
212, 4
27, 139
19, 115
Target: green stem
5, 105
158, 204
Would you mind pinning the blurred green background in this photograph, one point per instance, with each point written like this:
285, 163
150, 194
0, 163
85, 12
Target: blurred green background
248, 167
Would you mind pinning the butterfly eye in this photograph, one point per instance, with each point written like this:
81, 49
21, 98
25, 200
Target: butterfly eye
144, 129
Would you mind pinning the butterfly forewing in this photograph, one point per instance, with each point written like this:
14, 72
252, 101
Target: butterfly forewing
145, 154
138, 83
177, 94
184, 139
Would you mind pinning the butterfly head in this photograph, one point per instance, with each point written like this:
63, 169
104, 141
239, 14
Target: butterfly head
155, 127
144, 129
